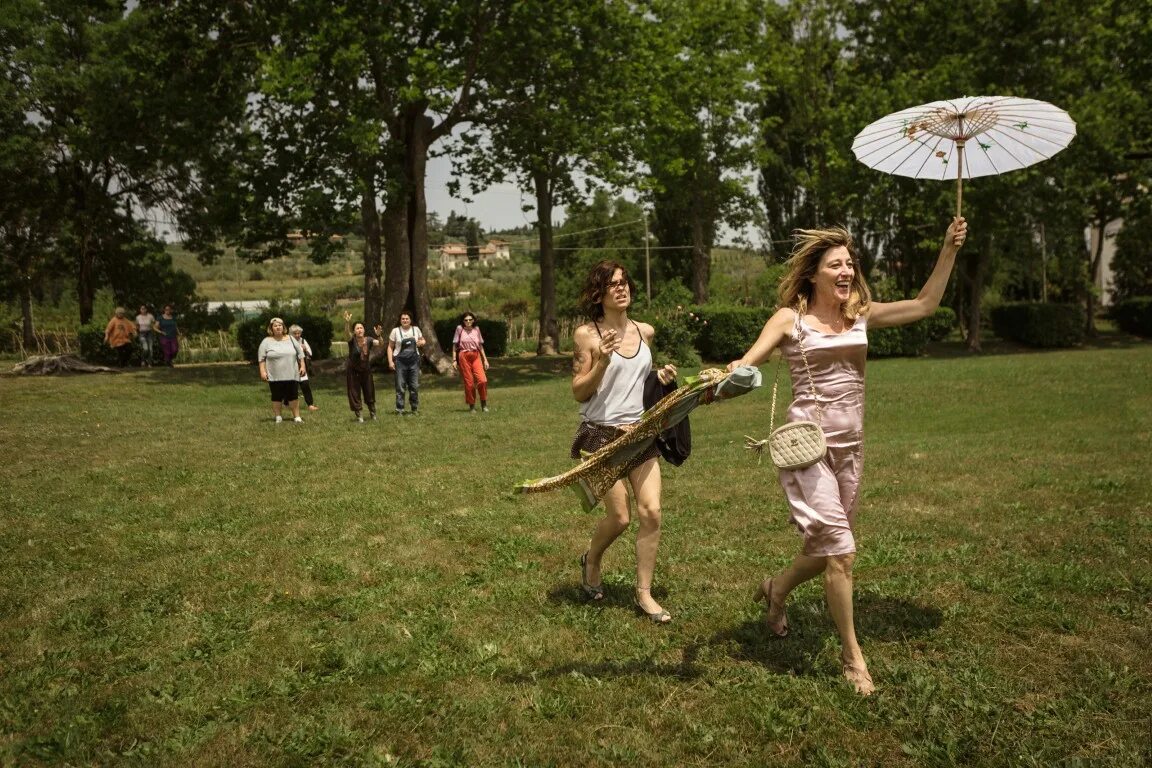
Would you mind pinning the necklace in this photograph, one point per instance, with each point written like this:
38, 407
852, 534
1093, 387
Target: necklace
836, 325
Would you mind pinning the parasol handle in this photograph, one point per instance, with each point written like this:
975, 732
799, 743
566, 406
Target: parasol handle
959, 175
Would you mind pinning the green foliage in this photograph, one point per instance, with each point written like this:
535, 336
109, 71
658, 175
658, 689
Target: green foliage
1132, 264
728, 332
1134, 315
1039, 325
90, 339
318, 330
677, 331
197, 319
495, 333
910, 340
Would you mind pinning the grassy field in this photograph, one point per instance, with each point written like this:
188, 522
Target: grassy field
186, 583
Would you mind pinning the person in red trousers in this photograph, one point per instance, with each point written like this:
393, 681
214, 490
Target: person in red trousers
468, 357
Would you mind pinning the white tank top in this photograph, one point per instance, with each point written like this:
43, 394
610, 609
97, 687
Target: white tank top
620, 397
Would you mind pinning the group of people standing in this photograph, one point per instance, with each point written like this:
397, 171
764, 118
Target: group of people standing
120, 333
403, 349
820, 328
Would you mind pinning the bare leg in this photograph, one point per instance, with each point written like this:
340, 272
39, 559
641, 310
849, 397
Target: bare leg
646, 484
838, 590
276, 406
294, 405
608, 528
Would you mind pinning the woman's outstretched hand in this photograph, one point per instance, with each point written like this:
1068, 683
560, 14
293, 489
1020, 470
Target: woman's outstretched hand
667, 374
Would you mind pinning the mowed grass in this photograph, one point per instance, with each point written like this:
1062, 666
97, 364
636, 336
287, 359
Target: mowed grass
185, 583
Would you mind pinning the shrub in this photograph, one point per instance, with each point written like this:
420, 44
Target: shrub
318, 330
495, 333
726, 333
1040, 325
910, 340
675, 339
1134, 315
199, 320
90, 339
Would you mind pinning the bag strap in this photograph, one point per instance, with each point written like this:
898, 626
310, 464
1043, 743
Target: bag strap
811, 381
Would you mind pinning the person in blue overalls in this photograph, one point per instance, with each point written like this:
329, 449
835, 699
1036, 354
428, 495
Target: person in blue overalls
404, 345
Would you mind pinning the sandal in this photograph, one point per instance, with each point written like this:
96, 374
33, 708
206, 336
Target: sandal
859, 677
780, 629
591, 591
658, 617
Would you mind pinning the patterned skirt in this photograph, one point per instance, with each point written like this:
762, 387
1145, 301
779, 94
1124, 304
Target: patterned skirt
592, 437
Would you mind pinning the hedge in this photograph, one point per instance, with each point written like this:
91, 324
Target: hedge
730, 331
318, 331
1134, 315
727, 332
1039, 325
911, 340
495, 333
90, 338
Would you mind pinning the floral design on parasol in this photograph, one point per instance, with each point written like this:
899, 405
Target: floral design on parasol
1001, 133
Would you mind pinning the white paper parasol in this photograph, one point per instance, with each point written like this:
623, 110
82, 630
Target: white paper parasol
1000, 133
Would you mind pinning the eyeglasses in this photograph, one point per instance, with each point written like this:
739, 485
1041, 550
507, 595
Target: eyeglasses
469, 320
614, 284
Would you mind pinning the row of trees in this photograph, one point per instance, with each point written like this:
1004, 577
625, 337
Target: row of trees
245, 119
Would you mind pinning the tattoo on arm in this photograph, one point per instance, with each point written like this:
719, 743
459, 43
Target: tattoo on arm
578, 358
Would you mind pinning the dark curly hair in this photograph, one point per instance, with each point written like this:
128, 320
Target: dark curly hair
592, 296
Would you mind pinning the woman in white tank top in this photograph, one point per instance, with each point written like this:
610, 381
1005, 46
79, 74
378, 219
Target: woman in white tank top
612, 358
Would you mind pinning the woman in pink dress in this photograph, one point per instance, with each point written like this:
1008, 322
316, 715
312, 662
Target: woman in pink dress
825, 311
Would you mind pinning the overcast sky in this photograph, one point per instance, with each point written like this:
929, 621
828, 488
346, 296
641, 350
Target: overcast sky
497, 209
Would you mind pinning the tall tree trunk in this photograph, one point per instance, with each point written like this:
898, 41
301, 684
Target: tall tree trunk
397, 263
974, 267
701, 258
405, 224
28, 332
1095, 256
373, 256
86, 279
548, 342
419, 139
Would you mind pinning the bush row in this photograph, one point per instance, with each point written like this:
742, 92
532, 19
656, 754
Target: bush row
1039, 324
1134, 316
719, 333
90, 339
495, 333
318, 330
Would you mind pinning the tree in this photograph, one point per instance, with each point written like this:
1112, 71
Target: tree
564, 85
1132, 266
359, 97
121, 107
29, 197
699, 125
1101, 75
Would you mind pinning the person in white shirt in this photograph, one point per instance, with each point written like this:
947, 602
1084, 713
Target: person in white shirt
404, 345
144, 323
610, 362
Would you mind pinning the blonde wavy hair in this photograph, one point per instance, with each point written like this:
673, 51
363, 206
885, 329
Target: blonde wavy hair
811, 244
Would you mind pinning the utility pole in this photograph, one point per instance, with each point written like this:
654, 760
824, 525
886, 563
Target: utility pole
647, 262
